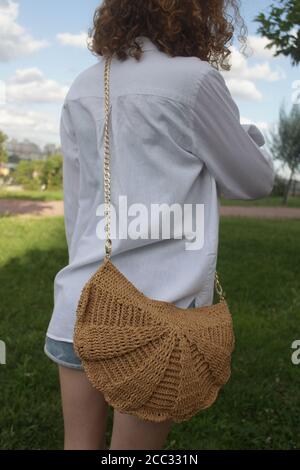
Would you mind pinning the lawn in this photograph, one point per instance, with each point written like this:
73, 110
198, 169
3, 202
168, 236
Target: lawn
31, 195
270, 201
56, 195
260, 406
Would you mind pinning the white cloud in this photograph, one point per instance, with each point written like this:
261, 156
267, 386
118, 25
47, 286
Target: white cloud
258, 44
28, 75
242, 76
244, 89
15, 41
30, 86
263, 72
76, 40
23, 124
241, 69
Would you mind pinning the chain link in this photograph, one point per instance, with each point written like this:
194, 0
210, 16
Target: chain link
219, 288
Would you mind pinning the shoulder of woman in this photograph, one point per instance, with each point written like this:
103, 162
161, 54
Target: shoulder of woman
86, 83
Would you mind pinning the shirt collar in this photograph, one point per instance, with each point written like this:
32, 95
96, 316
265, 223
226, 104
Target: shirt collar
146, 43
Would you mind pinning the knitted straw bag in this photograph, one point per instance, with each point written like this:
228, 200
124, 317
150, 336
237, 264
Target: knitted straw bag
148, 357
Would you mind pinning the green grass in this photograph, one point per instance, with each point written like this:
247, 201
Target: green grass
31, 195
57, 195
260, 406
266, 202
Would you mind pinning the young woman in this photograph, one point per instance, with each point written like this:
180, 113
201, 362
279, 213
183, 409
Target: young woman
176, 139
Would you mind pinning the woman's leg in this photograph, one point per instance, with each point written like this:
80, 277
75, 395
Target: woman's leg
130, 432
84, 410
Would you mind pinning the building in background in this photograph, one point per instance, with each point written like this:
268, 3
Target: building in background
27, 150
19, 151
50, 149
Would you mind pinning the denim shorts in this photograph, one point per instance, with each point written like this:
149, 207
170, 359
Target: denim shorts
62, 352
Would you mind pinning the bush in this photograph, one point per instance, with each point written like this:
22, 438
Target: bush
279, 186
24, 173
52, 172
35, 174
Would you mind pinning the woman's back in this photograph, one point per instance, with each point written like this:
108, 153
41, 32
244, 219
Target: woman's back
176, 143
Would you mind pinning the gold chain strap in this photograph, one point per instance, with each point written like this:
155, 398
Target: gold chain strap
107, 179
106, 161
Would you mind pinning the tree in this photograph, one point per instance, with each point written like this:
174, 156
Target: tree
52, 172
285, 144
3, 152
34, 174
282, 28
24, 175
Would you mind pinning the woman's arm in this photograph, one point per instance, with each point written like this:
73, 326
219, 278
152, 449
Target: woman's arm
71, 172
231, 151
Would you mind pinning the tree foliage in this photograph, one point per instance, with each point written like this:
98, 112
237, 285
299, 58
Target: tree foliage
3, 152
34, 174
282, 27
285, 143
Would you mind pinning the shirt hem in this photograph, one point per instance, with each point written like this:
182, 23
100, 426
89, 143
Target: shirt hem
57, 338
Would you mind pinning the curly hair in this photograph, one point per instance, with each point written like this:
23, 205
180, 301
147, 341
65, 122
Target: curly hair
200, 28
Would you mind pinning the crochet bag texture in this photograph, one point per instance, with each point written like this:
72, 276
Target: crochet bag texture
148, 357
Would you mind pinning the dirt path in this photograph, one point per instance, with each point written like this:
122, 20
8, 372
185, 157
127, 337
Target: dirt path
54, 208
27, 207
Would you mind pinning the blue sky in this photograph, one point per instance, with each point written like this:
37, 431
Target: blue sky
41, 53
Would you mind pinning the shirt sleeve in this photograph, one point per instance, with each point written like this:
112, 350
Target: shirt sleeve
230, 150
71, 172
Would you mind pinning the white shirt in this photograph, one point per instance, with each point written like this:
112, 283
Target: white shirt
176, 137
